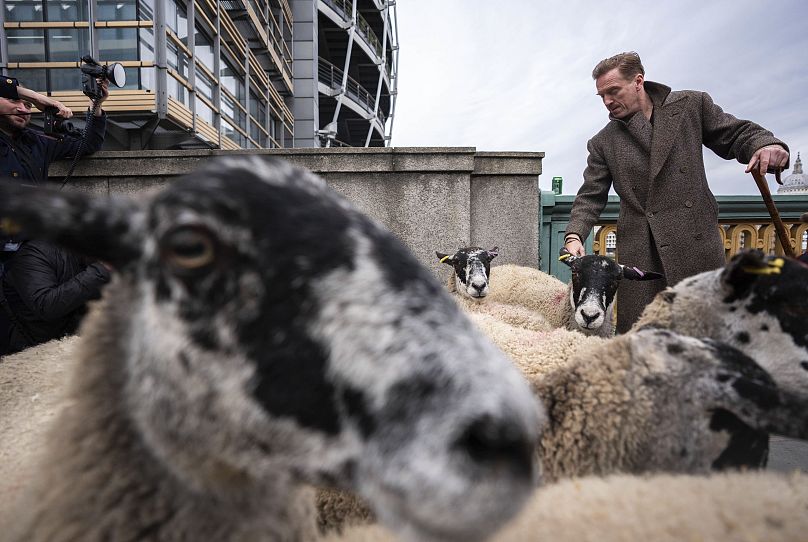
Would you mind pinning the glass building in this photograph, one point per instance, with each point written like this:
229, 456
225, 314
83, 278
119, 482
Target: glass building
216, 73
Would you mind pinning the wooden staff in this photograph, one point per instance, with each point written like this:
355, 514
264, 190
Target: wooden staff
779, 227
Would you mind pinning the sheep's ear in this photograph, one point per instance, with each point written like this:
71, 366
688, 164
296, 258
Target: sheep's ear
635, 273
566, 257
444, 258
108, 229
745, 268
493, 253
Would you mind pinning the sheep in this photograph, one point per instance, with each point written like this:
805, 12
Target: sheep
662, 507
33, 393
643, 402
591, 291
756, 303
260, 335
653, 399
650, 400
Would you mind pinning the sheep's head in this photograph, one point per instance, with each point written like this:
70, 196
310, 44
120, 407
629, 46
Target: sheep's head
594, 284
271, 333
759, 305
472, 267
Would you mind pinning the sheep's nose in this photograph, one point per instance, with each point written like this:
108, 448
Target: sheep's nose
589, 318
479, 286
492, 442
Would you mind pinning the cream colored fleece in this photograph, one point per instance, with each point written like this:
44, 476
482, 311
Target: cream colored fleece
732, 507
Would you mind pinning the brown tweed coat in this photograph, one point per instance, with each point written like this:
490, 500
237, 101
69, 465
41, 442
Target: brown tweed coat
668, 217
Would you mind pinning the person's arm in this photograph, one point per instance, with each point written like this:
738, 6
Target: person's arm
67, 147
41, 102
590, 201
35, 279
742, 140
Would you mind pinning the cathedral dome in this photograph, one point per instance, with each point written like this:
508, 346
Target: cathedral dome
797, 182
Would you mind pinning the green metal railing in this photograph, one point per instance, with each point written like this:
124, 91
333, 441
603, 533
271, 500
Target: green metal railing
744, 222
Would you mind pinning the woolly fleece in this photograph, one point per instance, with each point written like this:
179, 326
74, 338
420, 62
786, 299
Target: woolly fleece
738, 506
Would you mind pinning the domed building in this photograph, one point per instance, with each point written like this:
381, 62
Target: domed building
797, 182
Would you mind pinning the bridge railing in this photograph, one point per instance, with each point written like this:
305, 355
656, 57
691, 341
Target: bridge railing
744, 222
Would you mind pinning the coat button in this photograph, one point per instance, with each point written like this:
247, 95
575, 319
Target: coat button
649, 214
688, 203
682, 169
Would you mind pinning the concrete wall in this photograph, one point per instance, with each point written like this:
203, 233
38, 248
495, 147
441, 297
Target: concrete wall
431, 198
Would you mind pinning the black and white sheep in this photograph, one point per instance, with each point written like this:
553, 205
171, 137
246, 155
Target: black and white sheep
261, 335
649, 400
757, 303
586, 304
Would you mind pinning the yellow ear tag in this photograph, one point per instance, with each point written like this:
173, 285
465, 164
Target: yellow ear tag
9, 226
444, 258
772, 270
563, 257
777, 262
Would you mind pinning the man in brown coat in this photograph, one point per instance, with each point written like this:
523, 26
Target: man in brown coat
651, 150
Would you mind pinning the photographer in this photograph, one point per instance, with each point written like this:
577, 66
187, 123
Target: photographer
44, 289
25, 154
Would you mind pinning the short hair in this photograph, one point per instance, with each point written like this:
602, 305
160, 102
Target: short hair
628, 64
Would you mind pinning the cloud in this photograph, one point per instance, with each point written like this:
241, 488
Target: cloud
516, 75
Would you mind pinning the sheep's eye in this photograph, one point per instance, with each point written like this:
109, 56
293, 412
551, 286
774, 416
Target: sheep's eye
189, 248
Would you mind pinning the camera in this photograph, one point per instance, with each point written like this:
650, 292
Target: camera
54, 125
92, 70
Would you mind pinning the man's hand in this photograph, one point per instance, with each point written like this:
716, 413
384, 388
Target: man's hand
770, 156
103, 84
575, 247
41, 102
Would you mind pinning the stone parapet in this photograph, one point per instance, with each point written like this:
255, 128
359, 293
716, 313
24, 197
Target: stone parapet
432, 198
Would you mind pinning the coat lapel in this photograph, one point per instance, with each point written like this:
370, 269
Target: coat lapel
666, 127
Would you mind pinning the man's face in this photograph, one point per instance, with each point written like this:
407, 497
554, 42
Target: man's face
14, 115
620, 96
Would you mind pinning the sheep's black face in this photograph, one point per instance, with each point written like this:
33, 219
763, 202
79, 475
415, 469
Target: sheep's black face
270, 333
472, 267
594, 285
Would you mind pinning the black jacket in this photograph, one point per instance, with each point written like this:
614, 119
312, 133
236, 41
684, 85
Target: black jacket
47, 289
27, 156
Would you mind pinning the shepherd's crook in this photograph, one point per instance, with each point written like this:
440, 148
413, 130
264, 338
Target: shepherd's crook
779, 227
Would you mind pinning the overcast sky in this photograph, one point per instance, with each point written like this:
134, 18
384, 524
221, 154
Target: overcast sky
515, 75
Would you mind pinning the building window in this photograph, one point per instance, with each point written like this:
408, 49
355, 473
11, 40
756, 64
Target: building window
205, 112
177, 59
23, 10
25, 45
117, 44
65, 79
177, 90
146, 41
229, 131
177, 19
230, 79
116, 10
204, 85
67, 10
33, 79
804, 242
203, 49
67, 44
146, 10
611, 243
